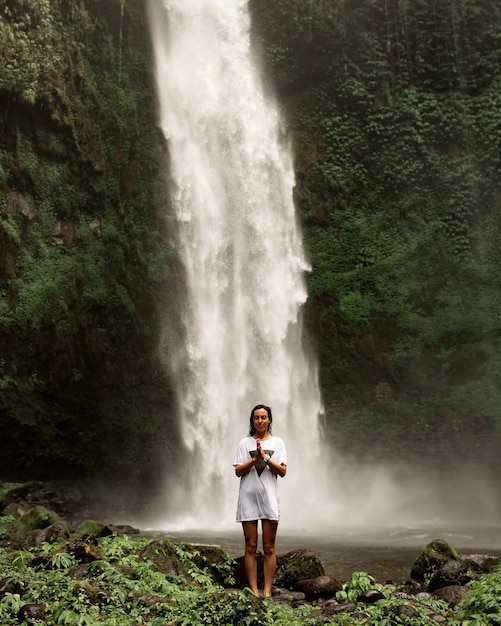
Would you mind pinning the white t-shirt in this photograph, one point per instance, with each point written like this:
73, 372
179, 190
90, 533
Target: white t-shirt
258, 494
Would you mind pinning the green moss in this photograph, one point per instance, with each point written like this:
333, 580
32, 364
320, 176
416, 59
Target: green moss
303, 567
433, 555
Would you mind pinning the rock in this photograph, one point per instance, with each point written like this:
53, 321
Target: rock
34, 492
288, 597
292, 567
452, 572
164, 558
480, 563
370, 596
404, 610
431, 558
320, 587
30, 612
93, 527
297, 565
57, 533
10, 588
453, 595
334, 609
39, 517
85, 549
17, 509
214, 559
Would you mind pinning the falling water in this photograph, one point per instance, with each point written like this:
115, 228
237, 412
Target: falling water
231, 175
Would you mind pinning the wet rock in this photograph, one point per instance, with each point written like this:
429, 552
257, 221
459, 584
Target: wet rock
10, 587
93, 527
164, 558
33, 492
123, 529
213, 559
452, 572
431, 558
31, 612
404, 610
480, 563
319, 587
332, 608
85, 549
292, 567
453, 595
288, 597
371, 595
56, 533
17, 509
297, 565
38, 517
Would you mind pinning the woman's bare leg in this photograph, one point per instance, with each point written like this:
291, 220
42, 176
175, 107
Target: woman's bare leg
250, 560
270, 555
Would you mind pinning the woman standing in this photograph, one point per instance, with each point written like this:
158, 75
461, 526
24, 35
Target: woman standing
260, 458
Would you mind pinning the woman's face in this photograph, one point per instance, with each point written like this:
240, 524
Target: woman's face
261, 422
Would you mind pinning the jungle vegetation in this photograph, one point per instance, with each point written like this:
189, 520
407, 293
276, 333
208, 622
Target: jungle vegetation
394, 111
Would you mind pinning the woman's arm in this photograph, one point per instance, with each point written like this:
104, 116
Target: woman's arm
245, 468
276, 468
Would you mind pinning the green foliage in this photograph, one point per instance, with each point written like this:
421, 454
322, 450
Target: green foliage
483, 604
358, 583
395, 110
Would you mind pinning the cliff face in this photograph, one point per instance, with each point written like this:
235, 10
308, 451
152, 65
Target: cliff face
82, 259
394, 114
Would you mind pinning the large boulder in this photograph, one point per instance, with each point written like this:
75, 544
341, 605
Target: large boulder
461, 571
434, 554
94, 527
214, 559
163, 555
292, 567
297, 565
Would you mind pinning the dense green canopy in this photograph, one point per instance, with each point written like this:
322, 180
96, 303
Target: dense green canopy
394, 110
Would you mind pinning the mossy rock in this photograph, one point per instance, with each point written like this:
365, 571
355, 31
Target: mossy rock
162, 554
297, 565
94, 527
434, 554
215, 559
56, 533
38, 517
34, 492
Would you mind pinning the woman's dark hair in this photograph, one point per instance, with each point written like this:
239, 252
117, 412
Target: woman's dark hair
252, 430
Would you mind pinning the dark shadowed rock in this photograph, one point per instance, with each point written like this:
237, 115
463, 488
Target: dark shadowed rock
31, 612
404, 610
162, 554
57, 533
480, 563
320, 587
292, 567
431, 558
332, 608
94, 527
297, 565
452, 572
453, 595
371, 595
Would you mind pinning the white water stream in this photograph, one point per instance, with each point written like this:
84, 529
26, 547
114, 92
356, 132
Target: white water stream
237, 236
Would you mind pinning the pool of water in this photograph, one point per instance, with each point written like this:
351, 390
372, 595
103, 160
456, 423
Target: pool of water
386, 553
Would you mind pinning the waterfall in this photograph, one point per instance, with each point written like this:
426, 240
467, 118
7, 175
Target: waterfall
231, 178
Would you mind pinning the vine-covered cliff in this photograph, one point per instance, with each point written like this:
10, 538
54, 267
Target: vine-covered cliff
394, 111
83, 263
